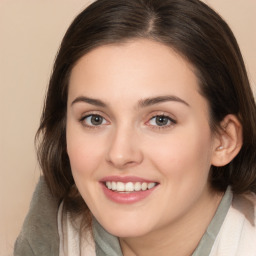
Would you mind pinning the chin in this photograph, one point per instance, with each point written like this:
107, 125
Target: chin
125, 233
126, 229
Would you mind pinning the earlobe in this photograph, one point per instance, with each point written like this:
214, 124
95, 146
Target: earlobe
228, 141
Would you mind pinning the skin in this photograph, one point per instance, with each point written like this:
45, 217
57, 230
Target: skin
129, 142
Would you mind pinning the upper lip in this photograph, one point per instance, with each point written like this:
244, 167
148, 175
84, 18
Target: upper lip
126, 179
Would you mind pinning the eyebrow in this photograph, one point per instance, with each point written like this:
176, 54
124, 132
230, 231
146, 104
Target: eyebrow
160, 99
91, 101
142, 103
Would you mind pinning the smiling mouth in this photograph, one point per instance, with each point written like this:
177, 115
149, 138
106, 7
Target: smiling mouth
129, 186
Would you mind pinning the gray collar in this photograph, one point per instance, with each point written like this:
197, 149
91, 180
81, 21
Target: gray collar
108, 245
105, 243
207, 241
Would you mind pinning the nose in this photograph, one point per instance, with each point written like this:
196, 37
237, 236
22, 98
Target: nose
124, 149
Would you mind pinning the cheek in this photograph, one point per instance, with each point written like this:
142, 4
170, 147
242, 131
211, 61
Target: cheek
84, 153
184, 155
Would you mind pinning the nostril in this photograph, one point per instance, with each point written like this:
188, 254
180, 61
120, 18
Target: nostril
121, 161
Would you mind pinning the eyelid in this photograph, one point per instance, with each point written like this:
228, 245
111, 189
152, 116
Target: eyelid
93, 113
161, 114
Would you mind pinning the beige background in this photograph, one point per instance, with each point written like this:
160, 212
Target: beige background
30, 33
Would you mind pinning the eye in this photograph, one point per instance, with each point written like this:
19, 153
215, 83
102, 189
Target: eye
93, 120
161, 120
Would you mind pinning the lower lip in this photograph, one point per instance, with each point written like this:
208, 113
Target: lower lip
126, 198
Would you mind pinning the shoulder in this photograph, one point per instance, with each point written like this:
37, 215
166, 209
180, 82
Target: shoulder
39, 234
237, 235
245, 205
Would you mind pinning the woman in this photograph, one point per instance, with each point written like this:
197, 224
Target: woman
147, 139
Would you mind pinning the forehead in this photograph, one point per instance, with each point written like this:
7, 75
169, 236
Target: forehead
139, 67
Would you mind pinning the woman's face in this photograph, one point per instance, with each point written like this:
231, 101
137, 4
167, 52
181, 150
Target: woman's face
138, 137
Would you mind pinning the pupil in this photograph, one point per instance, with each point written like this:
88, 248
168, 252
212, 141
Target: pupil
96, 120
161, 120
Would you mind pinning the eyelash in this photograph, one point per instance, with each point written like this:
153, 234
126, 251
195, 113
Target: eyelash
91, 126
170, 121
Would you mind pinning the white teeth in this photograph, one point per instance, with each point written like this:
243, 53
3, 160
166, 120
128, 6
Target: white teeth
120, 186
108, 184
144, 186
151, 185
137, 186
113, 185
129, 186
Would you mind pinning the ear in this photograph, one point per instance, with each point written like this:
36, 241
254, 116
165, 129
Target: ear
228, 141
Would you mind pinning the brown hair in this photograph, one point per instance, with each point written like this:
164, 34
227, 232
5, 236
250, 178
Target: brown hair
192, 29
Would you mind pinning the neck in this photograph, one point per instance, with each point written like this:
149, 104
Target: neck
169, 240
